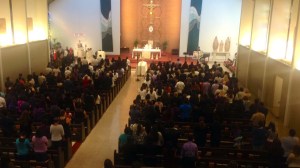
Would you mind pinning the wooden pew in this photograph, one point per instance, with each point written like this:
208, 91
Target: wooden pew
7, 142
92, 117
57, 155
78, 132
144, 159
97, 113
67, 149
233, 153
222, 163
30, 164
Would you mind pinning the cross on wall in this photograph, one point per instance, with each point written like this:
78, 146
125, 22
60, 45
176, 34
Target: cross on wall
151, 6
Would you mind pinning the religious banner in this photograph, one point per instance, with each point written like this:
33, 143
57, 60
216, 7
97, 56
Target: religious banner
106, 25
194, 25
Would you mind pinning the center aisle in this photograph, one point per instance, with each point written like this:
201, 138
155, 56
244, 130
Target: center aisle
103, 139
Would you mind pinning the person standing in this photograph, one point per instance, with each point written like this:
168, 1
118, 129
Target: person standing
40, 146
189, 153
259, 136
57, 133
23, 147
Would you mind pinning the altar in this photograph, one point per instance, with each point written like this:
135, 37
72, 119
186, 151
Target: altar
146, 53
100, 54
80, 52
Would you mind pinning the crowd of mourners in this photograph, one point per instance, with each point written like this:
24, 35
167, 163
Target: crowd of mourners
203, 96
66, 92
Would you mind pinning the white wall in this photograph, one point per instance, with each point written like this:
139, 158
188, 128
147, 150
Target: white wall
116, 28
184, 27
73, 17
73, 20
219, 18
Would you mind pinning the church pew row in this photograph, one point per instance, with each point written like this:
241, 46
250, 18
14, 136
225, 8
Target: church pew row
7, 142
56, 155
209, 157
225, 163
8, 147
223, 144
30, 164
78, 131
234, 154
129, 166
144, 159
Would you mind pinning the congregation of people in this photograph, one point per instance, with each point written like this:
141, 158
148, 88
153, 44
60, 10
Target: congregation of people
202, 97
171, 94
66, 92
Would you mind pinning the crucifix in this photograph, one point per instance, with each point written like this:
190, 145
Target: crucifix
151, 6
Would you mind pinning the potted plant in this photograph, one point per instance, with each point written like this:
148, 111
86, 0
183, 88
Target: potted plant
135, 43
164, 46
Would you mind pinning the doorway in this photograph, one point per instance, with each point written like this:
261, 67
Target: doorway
278, 83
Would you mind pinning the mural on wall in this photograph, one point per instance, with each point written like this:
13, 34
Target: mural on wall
106, 25
194, 25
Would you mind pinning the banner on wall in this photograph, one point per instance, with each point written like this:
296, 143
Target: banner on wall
106, 25
194, 25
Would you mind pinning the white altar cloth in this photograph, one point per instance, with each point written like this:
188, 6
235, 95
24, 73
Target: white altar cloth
80, 52
101, 53
146, 53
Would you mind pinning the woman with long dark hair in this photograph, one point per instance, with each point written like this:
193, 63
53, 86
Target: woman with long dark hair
40, 146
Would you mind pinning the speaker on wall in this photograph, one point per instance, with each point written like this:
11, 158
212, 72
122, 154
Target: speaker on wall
2, 26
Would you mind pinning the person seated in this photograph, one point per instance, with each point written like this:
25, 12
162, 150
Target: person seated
275, 152
293, 159
258, 117
289, 142
123, 138
108, 164
139, 135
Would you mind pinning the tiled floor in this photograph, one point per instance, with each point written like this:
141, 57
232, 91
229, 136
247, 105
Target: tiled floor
103, 140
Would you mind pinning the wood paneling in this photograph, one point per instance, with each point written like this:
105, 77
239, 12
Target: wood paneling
131, 11
294, 105
39, 55
256, 73
15, 61
275, 68
242, 65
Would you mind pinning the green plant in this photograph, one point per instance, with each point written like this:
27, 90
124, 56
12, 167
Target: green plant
164, 45
135, 43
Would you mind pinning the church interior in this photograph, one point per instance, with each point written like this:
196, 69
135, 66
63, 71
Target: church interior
251, 42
